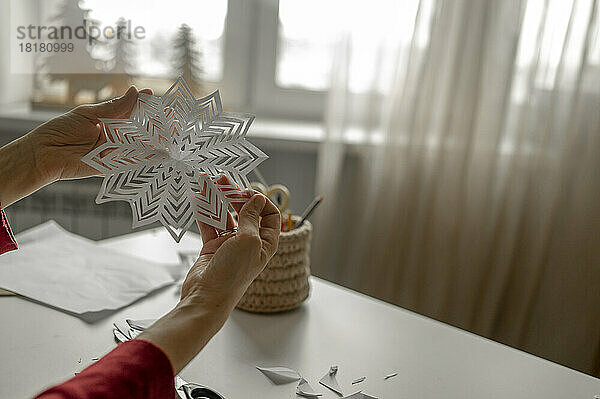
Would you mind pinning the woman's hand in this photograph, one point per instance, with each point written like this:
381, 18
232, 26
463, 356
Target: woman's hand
215, 284
53, 151
64, 140
229, 263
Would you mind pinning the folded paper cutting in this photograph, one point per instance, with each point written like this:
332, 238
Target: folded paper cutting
168, 157
280, 375
69, 272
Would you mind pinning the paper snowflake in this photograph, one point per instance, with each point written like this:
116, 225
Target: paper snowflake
168, 158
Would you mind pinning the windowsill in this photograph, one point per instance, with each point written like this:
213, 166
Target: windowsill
23, 112
17, 119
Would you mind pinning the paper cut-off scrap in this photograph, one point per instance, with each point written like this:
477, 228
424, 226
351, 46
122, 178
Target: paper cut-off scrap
129, 329
280, 375
123, 328
329, 381
358, 380
304, 389
125, 331
392, 375
119, 336
140, 325
177, 160
359, 395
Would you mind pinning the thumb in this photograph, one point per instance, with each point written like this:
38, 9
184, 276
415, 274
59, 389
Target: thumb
249, 215
115, 108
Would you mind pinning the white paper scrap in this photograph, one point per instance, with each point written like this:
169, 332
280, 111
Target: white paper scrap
179, 383
280, 375
359, 395
123, 328
358, 380
390, 376
304, 389
40, 232
75, 274
329, 381
119, 335
134, 333
140, 325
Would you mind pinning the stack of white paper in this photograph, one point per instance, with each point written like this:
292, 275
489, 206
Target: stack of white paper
66, 271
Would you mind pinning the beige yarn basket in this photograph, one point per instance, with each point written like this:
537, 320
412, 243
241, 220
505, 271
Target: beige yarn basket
283, 285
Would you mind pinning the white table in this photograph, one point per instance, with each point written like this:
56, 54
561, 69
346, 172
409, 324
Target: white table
363, 336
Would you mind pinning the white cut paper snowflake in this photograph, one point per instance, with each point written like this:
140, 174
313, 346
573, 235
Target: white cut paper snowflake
169, 157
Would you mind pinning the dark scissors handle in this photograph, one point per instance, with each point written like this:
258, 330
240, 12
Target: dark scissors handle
195, 391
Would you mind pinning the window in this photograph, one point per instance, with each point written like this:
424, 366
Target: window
147, 60
275, 57
270, 57
307, 39
153, 55
550, 20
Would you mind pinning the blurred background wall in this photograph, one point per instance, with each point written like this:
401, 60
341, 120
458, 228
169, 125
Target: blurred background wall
456, 142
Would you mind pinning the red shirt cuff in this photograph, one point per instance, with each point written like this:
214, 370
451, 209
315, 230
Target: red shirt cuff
7, 239
134, 369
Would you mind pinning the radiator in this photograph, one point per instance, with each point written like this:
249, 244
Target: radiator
72, 204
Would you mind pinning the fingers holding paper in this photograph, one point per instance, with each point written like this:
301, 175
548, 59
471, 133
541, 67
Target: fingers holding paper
212, 238
259, 217
119, 107
217, 281
60, 143
228, 264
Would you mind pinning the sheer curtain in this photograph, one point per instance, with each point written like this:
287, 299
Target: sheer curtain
464, 182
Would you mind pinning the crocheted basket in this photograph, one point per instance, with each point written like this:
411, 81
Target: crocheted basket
283, 285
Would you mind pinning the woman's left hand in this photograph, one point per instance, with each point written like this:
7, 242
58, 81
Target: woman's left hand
61, 142
53, 151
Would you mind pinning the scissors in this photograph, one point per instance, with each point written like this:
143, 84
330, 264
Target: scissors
190, 390
277, 193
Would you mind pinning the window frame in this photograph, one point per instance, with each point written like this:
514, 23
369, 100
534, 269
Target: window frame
267, 98
237, 52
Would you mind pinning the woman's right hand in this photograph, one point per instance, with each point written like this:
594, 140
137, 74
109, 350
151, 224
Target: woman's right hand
229, 263
215, 284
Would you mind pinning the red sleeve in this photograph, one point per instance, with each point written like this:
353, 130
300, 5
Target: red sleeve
134, 369
7, 240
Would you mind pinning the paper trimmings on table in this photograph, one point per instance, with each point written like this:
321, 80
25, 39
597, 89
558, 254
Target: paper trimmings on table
329, 380
284, 375
167, 159
280, 375
304, 389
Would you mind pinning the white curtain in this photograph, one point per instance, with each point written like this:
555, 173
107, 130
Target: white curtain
464, 181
